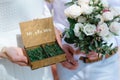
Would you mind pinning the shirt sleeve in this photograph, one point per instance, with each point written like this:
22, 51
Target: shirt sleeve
50, 6
58, 25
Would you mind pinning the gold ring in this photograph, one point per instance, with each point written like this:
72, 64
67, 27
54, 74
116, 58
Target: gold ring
69, 60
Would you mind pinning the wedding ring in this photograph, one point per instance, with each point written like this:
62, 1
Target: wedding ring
69, 60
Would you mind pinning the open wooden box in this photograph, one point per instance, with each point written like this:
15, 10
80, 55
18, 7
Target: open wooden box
40, 43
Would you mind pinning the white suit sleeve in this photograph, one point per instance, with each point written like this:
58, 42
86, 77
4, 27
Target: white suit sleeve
58, 25
50, 6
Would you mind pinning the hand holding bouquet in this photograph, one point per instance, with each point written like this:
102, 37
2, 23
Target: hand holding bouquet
92, 24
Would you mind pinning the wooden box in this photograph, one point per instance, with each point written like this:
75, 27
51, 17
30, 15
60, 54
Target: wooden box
39, 40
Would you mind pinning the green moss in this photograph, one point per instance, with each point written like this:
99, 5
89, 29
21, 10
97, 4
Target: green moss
42, 52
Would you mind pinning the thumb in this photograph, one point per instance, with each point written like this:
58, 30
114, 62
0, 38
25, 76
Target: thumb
22, 58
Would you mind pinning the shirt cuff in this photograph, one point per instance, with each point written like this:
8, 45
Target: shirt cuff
60, 27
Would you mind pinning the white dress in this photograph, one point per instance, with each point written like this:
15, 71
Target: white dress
12, 12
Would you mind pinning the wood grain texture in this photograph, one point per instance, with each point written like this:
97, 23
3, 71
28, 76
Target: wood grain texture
37, 32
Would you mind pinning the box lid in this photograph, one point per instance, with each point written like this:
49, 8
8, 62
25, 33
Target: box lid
37, 32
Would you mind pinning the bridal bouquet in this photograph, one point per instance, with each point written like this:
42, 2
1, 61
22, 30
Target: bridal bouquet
92, 24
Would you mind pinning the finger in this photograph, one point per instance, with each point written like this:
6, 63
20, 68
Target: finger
93, 58
58, 37
19, 59
92, 54
71, 50
77, 51
69, 65
21, 55
69, 53
72, 61
21, 63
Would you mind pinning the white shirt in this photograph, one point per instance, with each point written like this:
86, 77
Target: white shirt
12, 12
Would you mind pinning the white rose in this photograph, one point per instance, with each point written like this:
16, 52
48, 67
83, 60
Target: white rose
108, 37
77, 28
105, 3
86, 9
83, 1
81, 19
101, 18
103, 30
89, 29
108, 15
73, 11
115, 11
115, 27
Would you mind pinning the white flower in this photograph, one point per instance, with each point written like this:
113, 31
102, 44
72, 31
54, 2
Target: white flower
105, 3
107, 15
101, 18
81, 19
86, 9
73, 11
103, 30
77, 28
115, 10
80, 2
89, 29
115, 27
108, 37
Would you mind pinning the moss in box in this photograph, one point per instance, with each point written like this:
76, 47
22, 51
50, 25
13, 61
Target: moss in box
44, 51
52, 49
36, 54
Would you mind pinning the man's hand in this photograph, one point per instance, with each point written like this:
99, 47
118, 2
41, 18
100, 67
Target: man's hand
15, 55
70, 63
58, 35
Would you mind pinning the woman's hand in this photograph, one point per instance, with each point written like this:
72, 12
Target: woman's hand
15, 55
70, 63
92, 55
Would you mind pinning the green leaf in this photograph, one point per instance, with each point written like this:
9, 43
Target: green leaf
71, 33
68, 40
111, 44
71, 21
96, 44
90, 48
69, 3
